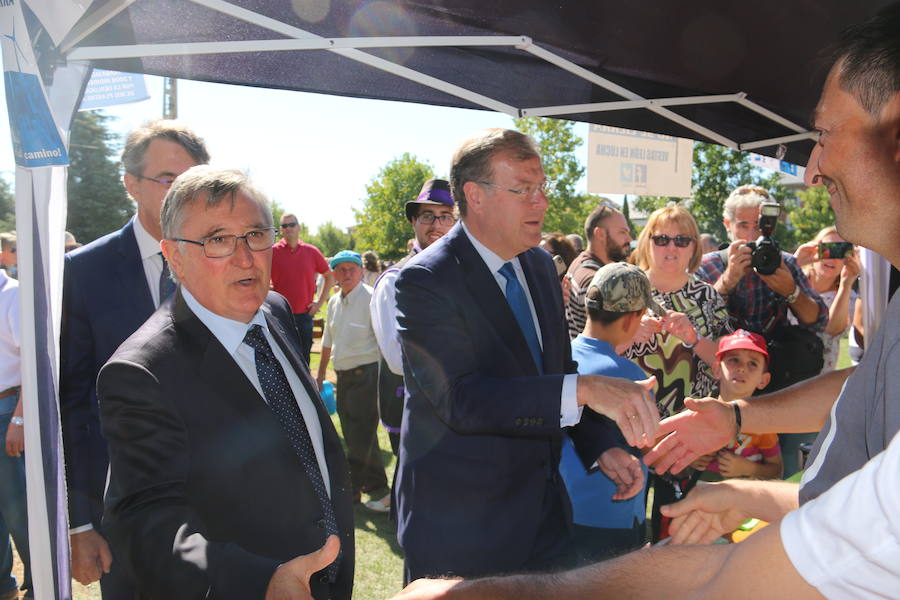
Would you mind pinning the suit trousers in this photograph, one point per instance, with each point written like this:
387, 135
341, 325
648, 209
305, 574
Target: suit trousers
390, 403
357, 408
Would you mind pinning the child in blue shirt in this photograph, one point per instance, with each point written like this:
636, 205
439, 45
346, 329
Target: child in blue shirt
608, 499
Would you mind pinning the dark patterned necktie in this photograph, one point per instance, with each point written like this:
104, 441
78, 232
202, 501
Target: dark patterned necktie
515, 295
281, 400
166, 285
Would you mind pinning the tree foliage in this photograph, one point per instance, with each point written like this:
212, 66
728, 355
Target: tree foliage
558, 142
7, 207
98, 203
381, 225
717, 170
813, 213
330, 239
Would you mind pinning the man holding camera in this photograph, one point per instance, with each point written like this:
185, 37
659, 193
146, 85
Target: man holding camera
760, 283
759, 302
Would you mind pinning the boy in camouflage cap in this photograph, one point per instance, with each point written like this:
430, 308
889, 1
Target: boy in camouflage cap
608, 504
621, 288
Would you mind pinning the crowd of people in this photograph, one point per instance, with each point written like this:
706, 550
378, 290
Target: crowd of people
534, 386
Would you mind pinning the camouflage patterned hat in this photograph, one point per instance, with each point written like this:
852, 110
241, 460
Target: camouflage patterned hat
621, 287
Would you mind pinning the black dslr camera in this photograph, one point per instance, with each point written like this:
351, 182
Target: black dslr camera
766, 256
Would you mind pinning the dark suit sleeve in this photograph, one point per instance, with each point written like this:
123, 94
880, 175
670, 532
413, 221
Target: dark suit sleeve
75, 396
448, 366
153, 532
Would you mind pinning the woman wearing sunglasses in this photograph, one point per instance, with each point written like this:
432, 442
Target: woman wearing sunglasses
680, 348
832, 267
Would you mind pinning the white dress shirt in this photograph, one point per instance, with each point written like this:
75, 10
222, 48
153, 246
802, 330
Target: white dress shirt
569, 412
10, 375
231, 335
383, 308
149, 248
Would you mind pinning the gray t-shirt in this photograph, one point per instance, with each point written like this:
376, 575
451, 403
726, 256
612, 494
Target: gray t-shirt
865, 416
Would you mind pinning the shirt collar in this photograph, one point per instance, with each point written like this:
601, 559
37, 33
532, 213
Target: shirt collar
229, 332
147, 244
353, 293
492, 260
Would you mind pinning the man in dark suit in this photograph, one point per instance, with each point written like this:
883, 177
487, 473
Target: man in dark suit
490, 380
111, 287
225, 469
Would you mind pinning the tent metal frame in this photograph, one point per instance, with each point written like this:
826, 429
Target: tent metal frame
299, 39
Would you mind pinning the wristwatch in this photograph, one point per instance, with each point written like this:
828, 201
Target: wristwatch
17, 421
794, 295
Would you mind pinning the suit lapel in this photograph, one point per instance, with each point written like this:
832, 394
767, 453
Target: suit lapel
130, 273
488, 298
219, 370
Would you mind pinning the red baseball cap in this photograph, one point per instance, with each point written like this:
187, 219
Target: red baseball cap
742, 340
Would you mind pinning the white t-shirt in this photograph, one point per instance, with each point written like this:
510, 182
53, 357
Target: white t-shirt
846, 542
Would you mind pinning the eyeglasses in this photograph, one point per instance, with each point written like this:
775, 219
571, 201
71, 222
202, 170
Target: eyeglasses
222, 246
166, 181
528, 194
288, 225
681, 241
429, 218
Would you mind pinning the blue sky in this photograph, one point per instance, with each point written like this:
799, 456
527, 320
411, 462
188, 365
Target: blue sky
312, 153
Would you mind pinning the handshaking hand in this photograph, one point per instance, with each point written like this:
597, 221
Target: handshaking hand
629, 403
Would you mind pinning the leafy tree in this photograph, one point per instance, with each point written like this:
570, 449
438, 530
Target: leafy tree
558, 142
7, 207
717, 170
98, 203
813, 213
331, 240
381, 225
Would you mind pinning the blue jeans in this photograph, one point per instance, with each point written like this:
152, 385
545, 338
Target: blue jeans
13, 504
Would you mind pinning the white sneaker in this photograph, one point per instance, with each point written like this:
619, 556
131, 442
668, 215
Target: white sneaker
380, 506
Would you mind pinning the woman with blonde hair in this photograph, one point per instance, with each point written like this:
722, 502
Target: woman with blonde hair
831, 266
679, 349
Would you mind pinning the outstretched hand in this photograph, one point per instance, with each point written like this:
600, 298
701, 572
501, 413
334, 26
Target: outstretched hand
708, 512
705, 426
624, 469
629, 403
291, 579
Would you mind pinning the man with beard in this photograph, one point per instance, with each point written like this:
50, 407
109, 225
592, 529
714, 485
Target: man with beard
609, 240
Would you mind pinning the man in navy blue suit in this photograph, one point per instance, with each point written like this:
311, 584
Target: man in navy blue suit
111, 287
491, 383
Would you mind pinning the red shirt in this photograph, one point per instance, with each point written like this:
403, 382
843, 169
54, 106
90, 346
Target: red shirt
294, 273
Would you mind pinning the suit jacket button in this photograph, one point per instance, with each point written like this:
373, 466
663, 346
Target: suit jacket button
518, 421
320, 523
323, 579
540, 420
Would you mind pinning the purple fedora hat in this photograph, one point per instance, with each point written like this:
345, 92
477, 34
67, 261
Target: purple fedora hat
435, 192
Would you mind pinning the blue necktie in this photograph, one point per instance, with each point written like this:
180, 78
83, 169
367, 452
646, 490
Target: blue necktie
281, 401
166, 285
515, 295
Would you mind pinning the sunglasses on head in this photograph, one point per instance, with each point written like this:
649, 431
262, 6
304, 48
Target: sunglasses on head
681, 241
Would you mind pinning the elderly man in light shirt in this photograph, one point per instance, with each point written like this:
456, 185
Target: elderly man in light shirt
349, 339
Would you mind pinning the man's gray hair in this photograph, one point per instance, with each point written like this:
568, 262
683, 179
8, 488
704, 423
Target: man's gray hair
472, 160
135, 151
745, 196
212, 186
869, 59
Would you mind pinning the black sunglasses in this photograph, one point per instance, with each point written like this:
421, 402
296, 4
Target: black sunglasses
681, 241
286, 225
